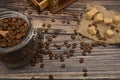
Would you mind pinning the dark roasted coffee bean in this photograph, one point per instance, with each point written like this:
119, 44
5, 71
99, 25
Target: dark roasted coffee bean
89, 25
68, 22
84, 54
47, 47
54, 35
49, 39
51, 77
65, 52
68, 55
56, 31
73, 47
62, 59
74, 44
112, 27
84, 70
43, 25
53, 19
49, 25
68, 45
59, 47
47, 43
72, 51
71, 54
65, 42
41, 65
56, 56
117, 31
55, 45
73, 37
81, 60
63, 65
85, 74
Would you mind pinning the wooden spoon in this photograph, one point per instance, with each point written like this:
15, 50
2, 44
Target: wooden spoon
3, 33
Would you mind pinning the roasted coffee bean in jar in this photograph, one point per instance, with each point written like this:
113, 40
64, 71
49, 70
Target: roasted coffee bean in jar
16, 34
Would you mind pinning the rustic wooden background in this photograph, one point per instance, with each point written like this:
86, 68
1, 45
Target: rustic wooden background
102, 63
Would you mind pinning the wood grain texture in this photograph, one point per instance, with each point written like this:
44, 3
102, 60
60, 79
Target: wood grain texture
102, 63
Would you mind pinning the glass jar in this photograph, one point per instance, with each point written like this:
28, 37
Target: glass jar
17, 56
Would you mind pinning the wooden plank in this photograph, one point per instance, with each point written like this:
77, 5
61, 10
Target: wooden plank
102, 63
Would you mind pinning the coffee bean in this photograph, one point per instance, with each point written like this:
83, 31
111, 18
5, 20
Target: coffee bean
55, 45
56, 31
68, 45
71, 54
81, 60
47, 47
75, 32
112, 27
51, 77
53, 19
63, 65
43, 25
54, 35
89, 25
85, 74
73, 37
47, 43
62, 59
65, 52
65, 42
84, 54
59, 47
72, 51
49, 25
49, 39
117, 31
74, 44
41, 65
68, 56
84, 70
68, 22
56, 56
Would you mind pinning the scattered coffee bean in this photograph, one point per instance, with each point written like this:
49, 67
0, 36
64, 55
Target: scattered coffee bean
85, 74
72, 51
49, 25
49, 39
73, 47
63, 65
68, 45
68, 56
75, 32
56, 56
112, 27
58, 47
73, 37
71, 54
47, 47
84, 54
74, 44
56, 31
84, 70
65, 42
53, 19
54, 35
55, 45
51, 77
89, 25
47, 43
81, 60
117, 31
62, 59
68, 22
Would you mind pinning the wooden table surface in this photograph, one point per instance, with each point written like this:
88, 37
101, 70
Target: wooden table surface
102, 63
